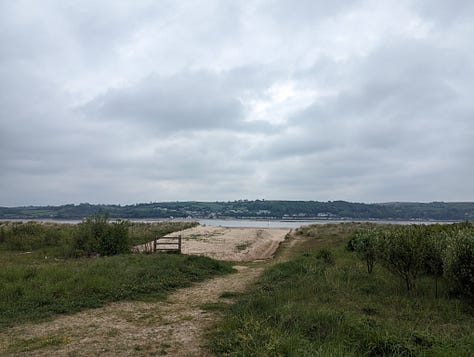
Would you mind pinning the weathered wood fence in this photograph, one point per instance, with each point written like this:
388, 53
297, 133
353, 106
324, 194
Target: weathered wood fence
163, 244
167, 244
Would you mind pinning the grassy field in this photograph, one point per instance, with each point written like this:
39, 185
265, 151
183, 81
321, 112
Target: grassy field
322, 302
41, 282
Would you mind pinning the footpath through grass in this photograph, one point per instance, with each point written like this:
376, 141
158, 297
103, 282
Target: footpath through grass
39, 280
324, 303
34, 291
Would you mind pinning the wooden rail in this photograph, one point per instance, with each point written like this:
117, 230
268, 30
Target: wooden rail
167, 244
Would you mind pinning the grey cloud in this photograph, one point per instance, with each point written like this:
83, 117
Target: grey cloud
445, 12
396, 128
185, 102
125, 102
303, 13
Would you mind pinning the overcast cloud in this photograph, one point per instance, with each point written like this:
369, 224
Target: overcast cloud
139, 101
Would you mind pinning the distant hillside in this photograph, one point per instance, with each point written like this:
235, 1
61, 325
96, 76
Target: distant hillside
254, 209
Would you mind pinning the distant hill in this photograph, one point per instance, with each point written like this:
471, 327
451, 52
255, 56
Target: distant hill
451, 211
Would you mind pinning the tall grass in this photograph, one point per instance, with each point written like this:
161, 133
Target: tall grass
28, 236
309, 307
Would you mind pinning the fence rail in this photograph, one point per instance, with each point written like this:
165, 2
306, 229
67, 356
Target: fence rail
163, 244
167, 244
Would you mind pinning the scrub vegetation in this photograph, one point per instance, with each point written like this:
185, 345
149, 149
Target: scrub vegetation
48, 269
360, 290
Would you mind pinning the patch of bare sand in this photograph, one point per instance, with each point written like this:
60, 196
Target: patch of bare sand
233, 244
175, 327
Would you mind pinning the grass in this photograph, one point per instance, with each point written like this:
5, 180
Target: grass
41, 289
42, 282
308, 306
31, 344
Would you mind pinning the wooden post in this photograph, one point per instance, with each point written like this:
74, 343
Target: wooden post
154, 246
179, 243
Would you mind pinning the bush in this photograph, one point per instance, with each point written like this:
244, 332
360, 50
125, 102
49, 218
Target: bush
326, 256
96, 235
364, 243
401, 250
459, 263
435, 247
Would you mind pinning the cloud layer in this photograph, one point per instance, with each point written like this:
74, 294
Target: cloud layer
123, 102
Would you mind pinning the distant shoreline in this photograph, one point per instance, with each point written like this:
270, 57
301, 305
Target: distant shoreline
291, 211
247, 223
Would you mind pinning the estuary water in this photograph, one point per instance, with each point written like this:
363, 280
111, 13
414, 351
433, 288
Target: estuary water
247, 223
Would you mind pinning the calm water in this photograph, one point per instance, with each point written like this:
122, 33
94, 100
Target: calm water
249, 223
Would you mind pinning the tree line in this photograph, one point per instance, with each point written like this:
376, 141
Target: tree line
452, 211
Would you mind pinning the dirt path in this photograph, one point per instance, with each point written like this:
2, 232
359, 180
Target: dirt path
175, 327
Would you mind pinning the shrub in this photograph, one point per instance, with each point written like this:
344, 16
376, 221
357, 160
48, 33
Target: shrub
364, 243
459, 263
326, 256
401, 250
96, 235
435, 246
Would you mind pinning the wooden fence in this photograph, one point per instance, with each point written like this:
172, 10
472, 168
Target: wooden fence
163, 244
167, 244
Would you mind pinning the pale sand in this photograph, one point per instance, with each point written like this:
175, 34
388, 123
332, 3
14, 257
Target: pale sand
234, 244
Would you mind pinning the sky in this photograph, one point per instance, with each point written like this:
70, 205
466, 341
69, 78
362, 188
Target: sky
148, 101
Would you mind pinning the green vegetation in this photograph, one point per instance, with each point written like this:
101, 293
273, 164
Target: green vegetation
31, 344
18, 236
459, 263
364, 243
39, 278
254, 209
311, 306
95, 235
38, 289
409, 251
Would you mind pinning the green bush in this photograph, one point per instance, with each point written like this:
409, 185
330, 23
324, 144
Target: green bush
96, 235
459, 263
364, 243
435, 247
326, 256
402, 251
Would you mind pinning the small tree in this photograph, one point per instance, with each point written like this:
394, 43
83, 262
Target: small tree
435, 247
364, 243
459, 263
401, 250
